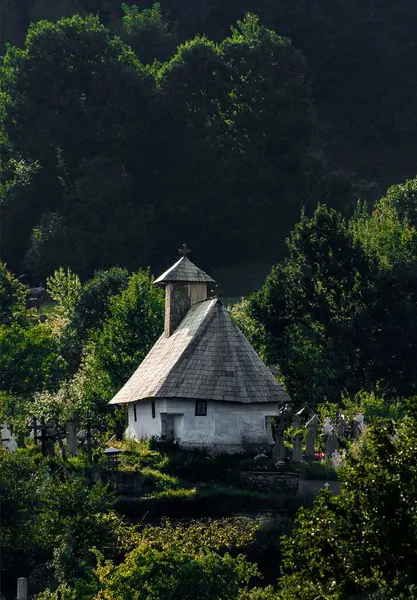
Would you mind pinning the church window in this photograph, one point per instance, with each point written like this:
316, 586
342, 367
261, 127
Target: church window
135, 417
201, 408
153, 409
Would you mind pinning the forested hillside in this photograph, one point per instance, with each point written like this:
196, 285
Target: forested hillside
361, 56
111, 158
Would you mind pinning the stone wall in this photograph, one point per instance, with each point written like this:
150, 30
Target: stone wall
311, 487
290, 484
272, 482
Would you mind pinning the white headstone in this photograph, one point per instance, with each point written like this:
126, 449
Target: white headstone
22, 588
327, 426
8, 440
360, 419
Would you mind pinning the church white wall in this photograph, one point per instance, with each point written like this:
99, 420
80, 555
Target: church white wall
227, 424
145, 425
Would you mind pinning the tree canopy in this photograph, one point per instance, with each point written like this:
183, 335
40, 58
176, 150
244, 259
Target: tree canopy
102, 149
338, 313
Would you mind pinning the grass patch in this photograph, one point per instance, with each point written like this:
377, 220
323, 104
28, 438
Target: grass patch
173, 494
194, 466
48, 308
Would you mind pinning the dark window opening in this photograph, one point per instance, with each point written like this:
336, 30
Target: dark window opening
153, 410
134, 413
201, 408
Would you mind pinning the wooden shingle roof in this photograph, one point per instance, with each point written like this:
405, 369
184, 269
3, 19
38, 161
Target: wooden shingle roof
184, 270
206, 358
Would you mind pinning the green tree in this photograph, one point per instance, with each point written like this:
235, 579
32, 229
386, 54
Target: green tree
385, 235
21, 478
69, 120
174, 573
150, 34
134, 323
393, 316
403, 199
73, 520
12, 297
313, 309
191, 94
363, 541
29, 359
87, 117
30, 362
270, 118
133, 326
247, 112
90, 310
49, 523
103, 193
92, 305
64, 286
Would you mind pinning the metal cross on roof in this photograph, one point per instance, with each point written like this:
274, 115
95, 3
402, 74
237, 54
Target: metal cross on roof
185, 251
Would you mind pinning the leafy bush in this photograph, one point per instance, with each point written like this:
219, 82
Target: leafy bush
49, 521
364, 540
63, 592
173, 573
320, 470
64, 287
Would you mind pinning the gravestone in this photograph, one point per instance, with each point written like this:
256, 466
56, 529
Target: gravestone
311, 436
297, 449
327, 426
360, 420
7, 439
332, 443
341, 425
22, 588
279, 451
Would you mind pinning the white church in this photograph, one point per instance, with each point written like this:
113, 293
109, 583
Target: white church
202, 384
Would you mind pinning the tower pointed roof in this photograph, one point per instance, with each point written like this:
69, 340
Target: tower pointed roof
208, 358
184, 270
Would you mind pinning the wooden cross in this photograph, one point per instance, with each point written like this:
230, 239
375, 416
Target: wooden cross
184, 250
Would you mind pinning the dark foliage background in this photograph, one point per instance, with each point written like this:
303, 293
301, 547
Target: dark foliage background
110, 160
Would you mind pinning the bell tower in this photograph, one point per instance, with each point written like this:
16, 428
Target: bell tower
185, 284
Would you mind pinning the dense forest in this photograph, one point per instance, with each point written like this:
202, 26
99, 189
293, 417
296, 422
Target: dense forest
360, 59
205, 129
